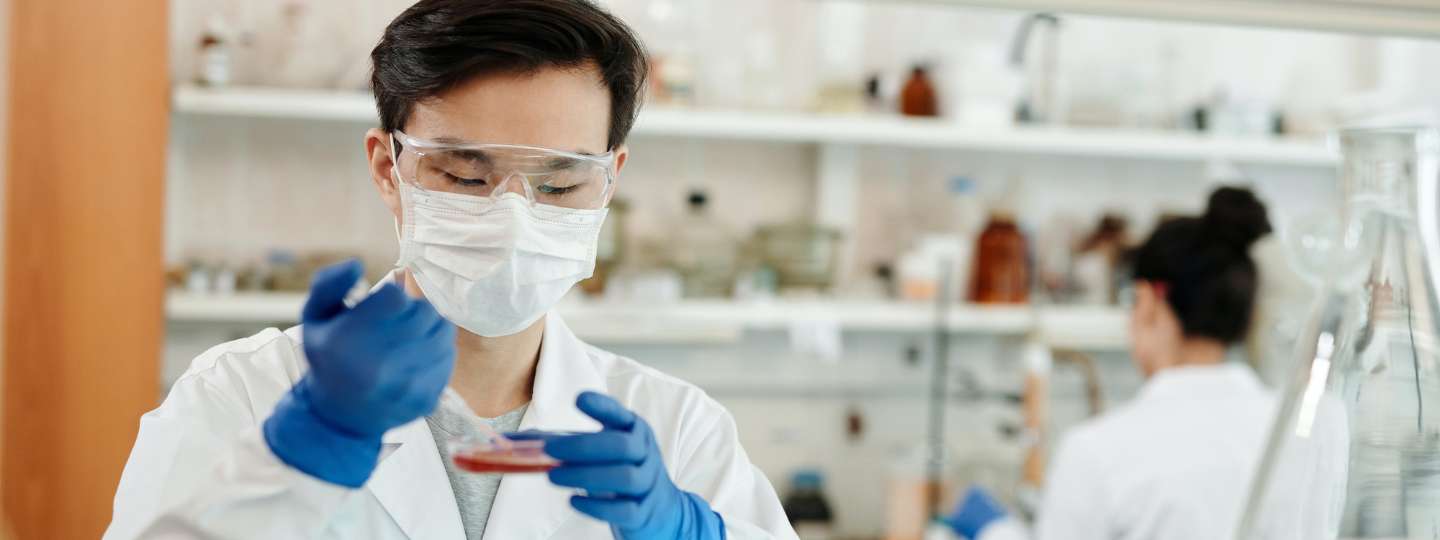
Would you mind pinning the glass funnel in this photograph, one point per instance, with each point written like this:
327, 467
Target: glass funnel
1355, 447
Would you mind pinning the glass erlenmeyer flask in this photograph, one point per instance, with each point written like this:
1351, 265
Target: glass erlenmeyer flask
1355, 448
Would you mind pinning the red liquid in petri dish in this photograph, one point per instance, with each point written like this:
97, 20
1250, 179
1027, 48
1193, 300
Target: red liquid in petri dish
493, 463
512, 457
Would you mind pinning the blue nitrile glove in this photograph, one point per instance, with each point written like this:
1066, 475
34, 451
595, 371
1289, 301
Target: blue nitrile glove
624, 478
373, 367
977, 511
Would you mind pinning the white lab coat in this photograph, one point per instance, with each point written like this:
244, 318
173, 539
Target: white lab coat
201, 468
1175, 463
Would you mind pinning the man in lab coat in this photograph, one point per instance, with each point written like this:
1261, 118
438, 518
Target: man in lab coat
502, 133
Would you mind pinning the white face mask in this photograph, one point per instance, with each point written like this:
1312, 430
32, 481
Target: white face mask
494, 266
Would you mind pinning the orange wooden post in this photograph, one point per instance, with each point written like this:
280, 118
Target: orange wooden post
83, 314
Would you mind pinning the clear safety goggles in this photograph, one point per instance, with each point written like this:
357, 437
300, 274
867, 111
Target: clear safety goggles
544, 176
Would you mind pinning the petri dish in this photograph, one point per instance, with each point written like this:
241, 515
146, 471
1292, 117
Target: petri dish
502, 455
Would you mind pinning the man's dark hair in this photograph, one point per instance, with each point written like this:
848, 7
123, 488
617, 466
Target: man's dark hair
438, 44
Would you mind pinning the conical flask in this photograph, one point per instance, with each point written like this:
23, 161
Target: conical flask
1355, 448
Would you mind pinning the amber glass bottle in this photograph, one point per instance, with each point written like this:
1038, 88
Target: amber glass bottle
1002, 273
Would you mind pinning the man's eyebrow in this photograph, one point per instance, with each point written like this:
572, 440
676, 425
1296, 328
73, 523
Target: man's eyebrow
561, 162
457, 141
450, 140
470, 154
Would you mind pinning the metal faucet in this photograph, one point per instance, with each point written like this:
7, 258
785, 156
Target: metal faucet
1039, 104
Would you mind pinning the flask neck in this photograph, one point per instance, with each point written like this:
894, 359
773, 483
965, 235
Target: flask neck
1383, 168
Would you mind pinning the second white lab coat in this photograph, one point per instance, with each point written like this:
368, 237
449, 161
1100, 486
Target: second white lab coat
1176, 463
200, 467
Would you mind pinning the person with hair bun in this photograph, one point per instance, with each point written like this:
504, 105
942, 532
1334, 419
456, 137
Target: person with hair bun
1175, 462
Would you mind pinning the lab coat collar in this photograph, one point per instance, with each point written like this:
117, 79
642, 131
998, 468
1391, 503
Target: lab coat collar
528, 505
411, 484
1225, 379
410, 481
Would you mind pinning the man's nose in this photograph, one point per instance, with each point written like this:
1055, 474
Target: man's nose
515, 183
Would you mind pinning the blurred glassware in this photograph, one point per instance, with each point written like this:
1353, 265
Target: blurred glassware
610, 251
921, 268
705, 252
653, 286
840, 28
225, 280
1098, 259
215, 61
1228, 112
252, 278
1055, 258
807, 508
803, 255
672, 51
759, 283
984, 90
764, 73
876, 102
303, 45
1354, 452
284, 271
908, 509
1323, 248
199, 279
1002, 269
918, 97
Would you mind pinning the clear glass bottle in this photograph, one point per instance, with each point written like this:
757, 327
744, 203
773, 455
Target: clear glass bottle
704, 250
1355, 449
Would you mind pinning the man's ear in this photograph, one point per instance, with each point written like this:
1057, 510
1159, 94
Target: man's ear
622, 154
382, 168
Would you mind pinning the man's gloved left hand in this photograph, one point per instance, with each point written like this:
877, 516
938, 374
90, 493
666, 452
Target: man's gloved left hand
624, 478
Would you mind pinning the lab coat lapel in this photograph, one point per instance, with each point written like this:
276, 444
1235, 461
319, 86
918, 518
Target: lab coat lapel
528, 505
411, 484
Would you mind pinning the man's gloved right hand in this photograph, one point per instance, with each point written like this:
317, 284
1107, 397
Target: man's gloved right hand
373, 367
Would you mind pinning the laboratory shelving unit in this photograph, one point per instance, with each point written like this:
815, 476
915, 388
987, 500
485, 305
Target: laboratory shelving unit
827, 130
721, 321
838, 139
1416, 18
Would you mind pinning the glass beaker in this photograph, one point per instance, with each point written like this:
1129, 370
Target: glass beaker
1355, 448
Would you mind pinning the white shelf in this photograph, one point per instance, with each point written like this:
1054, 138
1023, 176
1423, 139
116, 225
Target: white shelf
725, 321
1419, 18
887, 131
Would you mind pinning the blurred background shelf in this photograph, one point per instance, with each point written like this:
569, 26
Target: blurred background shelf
862, 130
1419, 18
720, 321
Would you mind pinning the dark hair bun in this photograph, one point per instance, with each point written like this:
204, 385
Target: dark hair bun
1236, 217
